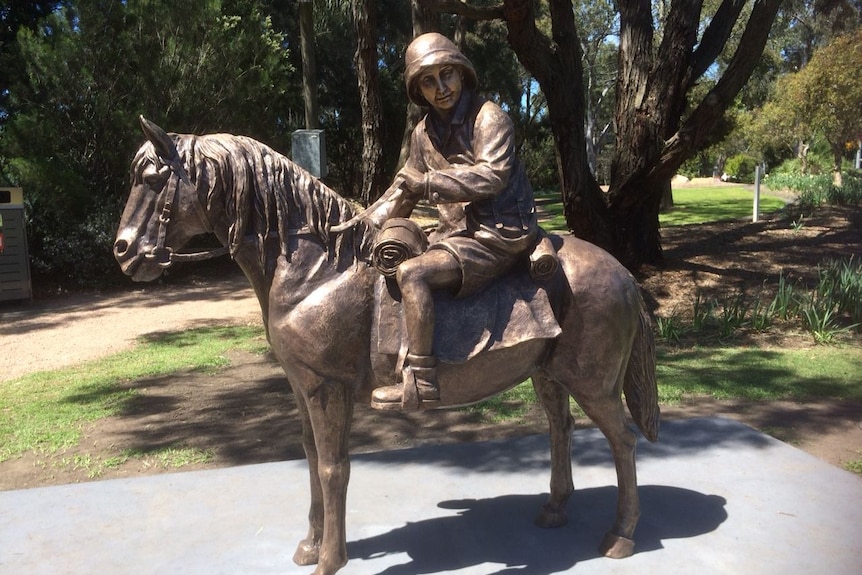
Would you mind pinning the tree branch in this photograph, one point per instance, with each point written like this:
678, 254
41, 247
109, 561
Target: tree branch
696, 128
715, 36
462, 8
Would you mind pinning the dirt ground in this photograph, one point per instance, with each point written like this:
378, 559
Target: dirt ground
245, 414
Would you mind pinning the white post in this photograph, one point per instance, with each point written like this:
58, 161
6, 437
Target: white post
756, 193
859, 154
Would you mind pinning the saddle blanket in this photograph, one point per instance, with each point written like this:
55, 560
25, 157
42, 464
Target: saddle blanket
511, 310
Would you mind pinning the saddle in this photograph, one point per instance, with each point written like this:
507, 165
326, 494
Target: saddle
515, 308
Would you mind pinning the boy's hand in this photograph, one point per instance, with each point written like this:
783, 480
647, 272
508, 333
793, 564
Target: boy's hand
414, 181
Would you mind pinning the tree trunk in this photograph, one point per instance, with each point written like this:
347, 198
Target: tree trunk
837, 160
364, 21
654, 132
666, 198
558, 71
654, 138
802, 154
309, 64
426, 18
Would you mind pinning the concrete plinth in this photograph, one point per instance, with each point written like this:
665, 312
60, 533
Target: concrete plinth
716, 497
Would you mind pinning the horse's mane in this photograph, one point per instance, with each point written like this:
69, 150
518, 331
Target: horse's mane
266, 195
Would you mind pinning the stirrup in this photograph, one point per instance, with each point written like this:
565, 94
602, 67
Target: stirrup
417, 390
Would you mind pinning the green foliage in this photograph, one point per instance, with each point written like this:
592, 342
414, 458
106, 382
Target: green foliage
740, 168
854, 465
840, 284
822, 100
815, 191
816, 163
829, 310
785, 304
539, 160
849, 193
670, 328
699, 166
830, 89
91, 68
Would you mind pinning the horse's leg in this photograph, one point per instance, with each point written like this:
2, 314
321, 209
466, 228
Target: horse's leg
555, 401
308, 550
330, 409
606, 411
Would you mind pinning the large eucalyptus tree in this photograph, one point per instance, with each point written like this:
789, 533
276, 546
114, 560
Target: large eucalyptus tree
657, 124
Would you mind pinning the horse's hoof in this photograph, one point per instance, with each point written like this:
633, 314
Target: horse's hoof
329, 567
306, 554
548, 518
616, 546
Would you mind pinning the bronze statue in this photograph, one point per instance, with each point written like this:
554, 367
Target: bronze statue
462, 158
582, 332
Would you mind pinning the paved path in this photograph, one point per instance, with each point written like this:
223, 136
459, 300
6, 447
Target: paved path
61, 332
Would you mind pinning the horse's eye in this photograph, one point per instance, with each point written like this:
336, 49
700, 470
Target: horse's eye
156, 179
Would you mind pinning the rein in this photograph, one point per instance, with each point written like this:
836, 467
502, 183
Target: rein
164, 255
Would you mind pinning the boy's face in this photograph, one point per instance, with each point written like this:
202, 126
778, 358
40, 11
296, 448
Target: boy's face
441, 86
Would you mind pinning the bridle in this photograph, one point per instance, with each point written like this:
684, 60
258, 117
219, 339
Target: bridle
164, 255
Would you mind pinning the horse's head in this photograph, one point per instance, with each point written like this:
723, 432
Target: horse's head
163, 211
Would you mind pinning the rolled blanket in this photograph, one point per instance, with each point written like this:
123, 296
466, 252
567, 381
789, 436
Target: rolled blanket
543, 259
397, 241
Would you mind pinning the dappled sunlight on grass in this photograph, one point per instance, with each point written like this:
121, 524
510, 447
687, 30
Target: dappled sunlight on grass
760, 374
46, 410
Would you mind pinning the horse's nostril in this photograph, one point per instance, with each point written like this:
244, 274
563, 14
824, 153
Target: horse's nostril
120, 248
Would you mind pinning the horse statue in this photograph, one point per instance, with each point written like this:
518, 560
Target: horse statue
312, 277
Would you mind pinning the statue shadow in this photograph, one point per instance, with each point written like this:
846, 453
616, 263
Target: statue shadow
500, 530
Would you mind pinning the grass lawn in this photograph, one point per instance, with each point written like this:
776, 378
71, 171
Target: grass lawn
695, 205
760, 373
729, 373
715, 204
46, 411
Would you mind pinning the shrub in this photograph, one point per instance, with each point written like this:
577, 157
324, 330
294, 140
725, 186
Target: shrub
812, 191
833, 307
69, 254
815, 191
849, 193
741, 168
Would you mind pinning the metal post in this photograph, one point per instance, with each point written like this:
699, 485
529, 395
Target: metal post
859, 154
756, 193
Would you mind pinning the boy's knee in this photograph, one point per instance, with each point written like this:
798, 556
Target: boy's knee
408, 271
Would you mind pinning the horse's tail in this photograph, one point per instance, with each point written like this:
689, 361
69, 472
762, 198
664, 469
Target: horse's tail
640, 385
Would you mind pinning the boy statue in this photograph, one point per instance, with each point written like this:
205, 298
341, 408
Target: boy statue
462, 158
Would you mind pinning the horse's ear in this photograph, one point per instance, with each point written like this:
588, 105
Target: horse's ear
165, 147
163, 144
